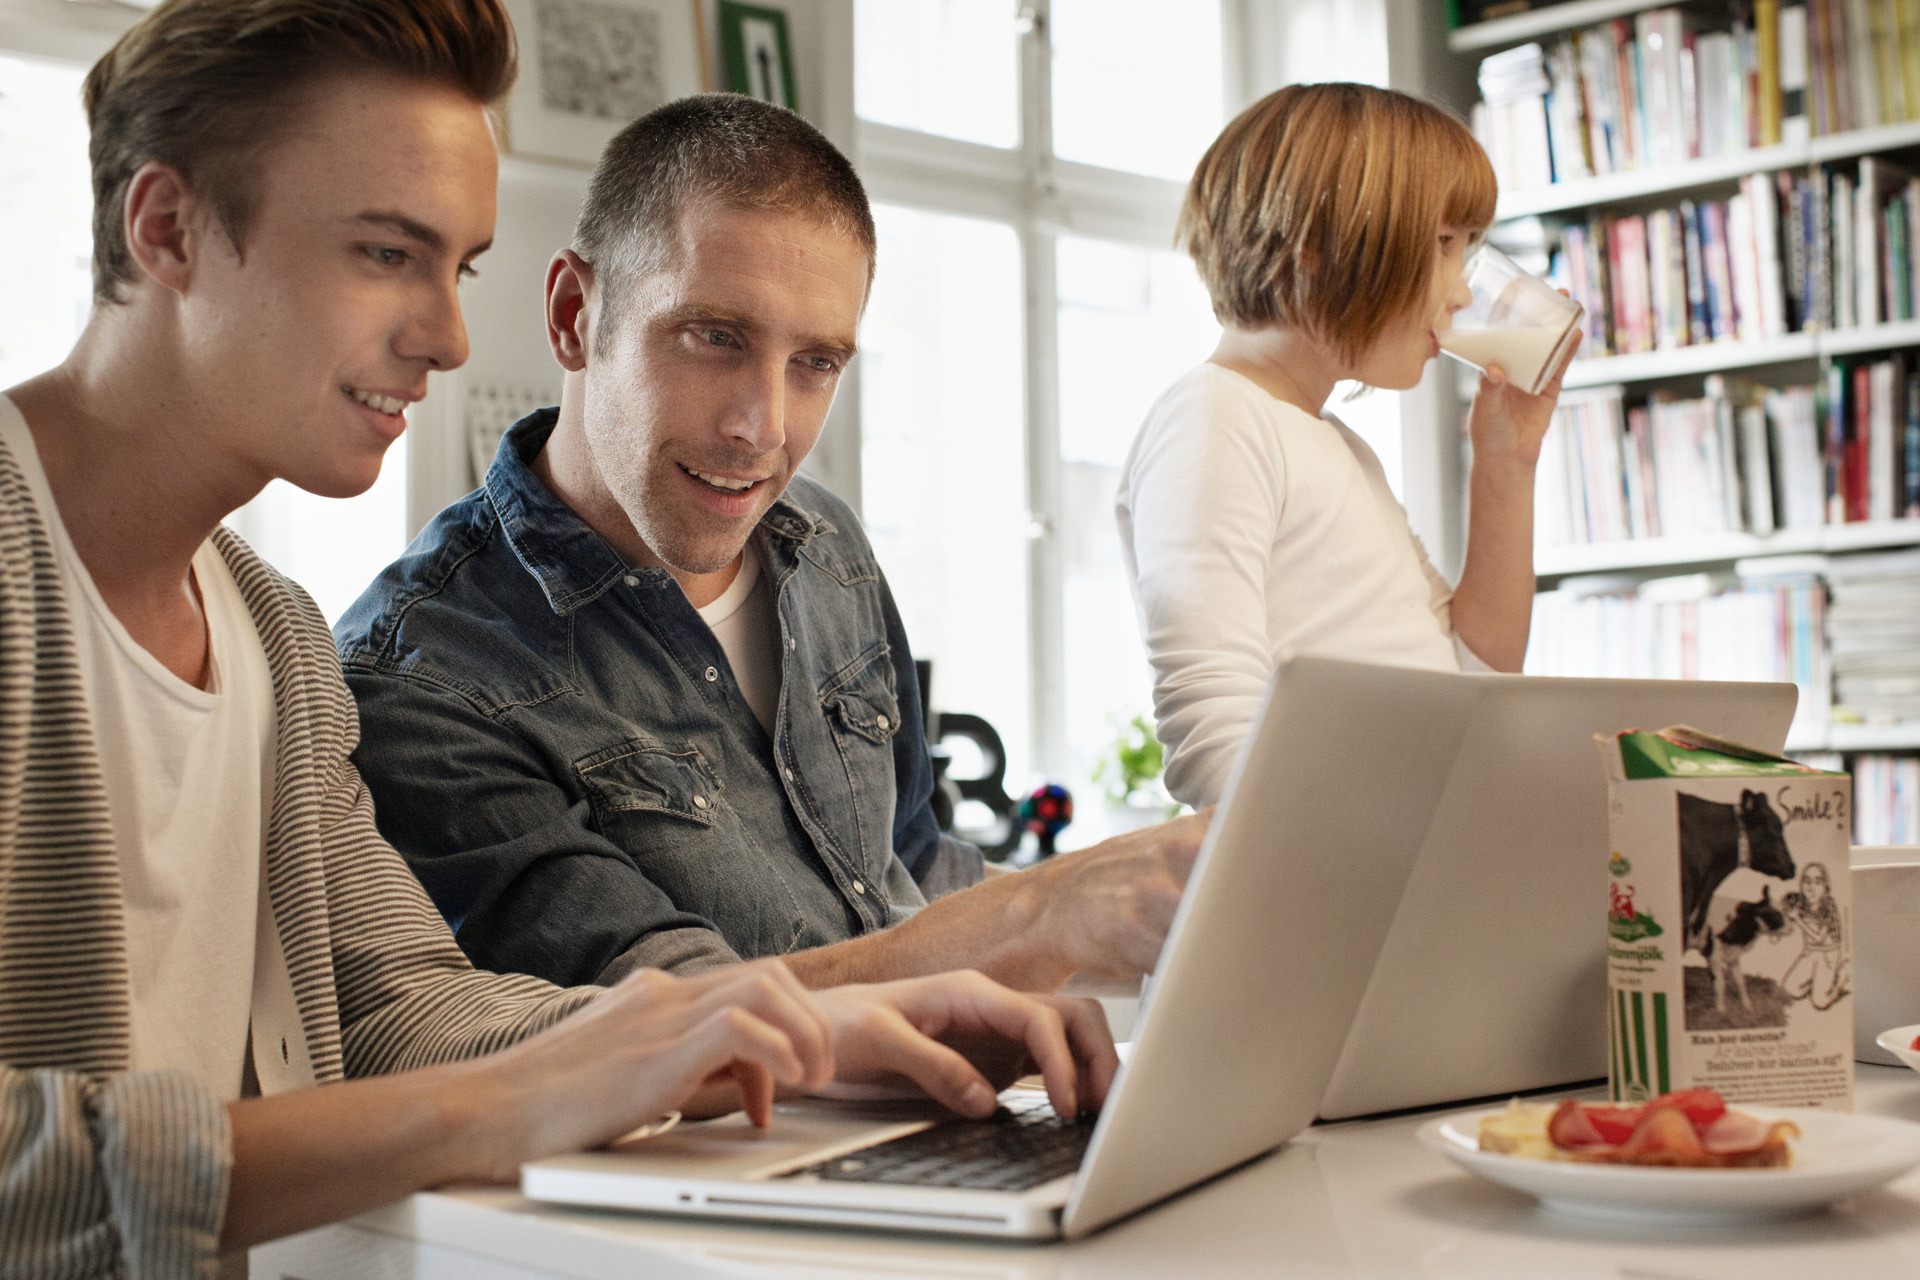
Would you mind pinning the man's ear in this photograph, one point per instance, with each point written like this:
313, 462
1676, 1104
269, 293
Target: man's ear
161, 223
569, 277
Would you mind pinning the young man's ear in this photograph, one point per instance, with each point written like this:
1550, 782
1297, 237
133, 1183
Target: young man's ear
569, 278
160, 222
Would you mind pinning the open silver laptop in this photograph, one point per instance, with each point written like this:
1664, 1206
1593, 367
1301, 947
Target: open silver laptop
1398, 903
1301, 875
1493, 977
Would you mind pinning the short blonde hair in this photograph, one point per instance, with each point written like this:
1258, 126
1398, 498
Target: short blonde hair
1319, 207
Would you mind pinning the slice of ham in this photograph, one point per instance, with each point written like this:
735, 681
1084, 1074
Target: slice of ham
1663, 1136
1739, 1134
1571, 1129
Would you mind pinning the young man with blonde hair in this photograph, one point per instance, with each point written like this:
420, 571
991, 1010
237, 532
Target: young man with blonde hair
198, 919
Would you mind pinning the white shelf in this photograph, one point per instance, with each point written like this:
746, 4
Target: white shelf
1635, 554
1636, 184
1704, 357
1543, 21
1873, 337
1715, 357
1871, 737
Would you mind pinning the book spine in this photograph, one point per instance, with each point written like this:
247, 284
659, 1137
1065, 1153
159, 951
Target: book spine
1689, 62
1857, 444
1714, 248
1794, 248
1911, 453
1878, 443
1819, 73
1866, 245
1833, 414
1700, 321
1889, 93
1766, 31
1766, 248
1794, 125
1745, 269
1845, 302
1629, 245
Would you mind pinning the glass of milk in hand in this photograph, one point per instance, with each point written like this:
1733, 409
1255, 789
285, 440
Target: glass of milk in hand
1516, 321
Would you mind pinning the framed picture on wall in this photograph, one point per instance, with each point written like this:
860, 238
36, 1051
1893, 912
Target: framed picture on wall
759, 59
587, 67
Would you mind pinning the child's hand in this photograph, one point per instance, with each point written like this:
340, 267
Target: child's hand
1506, 424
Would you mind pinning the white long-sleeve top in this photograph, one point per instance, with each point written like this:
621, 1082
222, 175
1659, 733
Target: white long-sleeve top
1251, 529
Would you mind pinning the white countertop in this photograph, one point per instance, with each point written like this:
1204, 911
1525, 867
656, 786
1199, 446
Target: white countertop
1359, 1199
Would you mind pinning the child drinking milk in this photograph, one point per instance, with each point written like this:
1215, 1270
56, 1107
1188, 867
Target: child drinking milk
1330, 223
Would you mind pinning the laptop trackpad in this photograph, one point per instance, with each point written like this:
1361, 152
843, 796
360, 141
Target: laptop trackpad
803, 1132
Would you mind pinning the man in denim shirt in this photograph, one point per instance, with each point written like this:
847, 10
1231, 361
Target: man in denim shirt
644, 699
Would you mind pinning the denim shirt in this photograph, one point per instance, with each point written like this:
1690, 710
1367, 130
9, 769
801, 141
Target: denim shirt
555, 741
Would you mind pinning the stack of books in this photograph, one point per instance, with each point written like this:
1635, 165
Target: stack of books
1792, 252
1763, 623
1741, 459
1669, 85
1873, 629
1886, 799
1640, 93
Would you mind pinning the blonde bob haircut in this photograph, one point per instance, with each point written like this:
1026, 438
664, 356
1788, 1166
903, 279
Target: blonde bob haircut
1320, 207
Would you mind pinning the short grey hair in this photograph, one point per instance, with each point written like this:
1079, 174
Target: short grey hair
724, 148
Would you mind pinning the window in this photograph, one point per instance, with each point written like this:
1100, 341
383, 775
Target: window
1027, 310
331, 547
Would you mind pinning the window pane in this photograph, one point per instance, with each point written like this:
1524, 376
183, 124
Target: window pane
331, 546
1131, 321
46, 205
949, 67
943, 458
1137, 84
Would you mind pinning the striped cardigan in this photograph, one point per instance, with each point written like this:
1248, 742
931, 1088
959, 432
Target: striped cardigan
107, 1172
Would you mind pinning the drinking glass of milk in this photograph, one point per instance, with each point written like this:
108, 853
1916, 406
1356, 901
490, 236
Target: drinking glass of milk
1516, 321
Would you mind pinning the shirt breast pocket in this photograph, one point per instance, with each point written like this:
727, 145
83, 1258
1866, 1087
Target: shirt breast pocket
640, 777
861, 707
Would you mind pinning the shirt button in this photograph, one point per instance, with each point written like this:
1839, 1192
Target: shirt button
858, 887
631, 581
699, 802
713, 673
791, 642
881, 721
787, 774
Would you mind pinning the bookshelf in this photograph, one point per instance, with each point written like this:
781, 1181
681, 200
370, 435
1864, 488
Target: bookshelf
1819, 322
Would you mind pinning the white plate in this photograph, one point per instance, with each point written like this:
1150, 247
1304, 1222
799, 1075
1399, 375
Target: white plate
1835, 1156
1899, 1043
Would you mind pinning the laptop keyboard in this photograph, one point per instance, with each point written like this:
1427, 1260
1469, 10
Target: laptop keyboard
1008, 1151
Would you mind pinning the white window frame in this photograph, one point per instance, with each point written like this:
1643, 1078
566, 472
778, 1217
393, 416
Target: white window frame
1041, 197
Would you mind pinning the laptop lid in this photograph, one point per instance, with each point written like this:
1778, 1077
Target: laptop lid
1496, 962
1298, 882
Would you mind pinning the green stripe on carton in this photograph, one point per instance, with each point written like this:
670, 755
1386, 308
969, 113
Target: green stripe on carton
1640, 1039
1648, 755
1660, 1041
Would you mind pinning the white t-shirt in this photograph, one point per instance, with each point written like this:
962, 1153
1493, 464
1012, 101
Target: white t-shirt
743, 621
1251, 529
187, 772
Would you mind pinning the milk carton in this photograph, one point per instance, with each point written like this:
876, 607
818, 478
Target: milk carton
1729, 922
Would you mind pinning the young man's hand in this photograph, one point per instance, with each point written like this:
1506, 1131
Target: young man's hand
650, 1045
961, 1037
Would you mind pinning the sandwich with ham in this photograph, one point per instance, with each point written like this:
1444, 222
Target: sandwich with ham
1692, 1129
